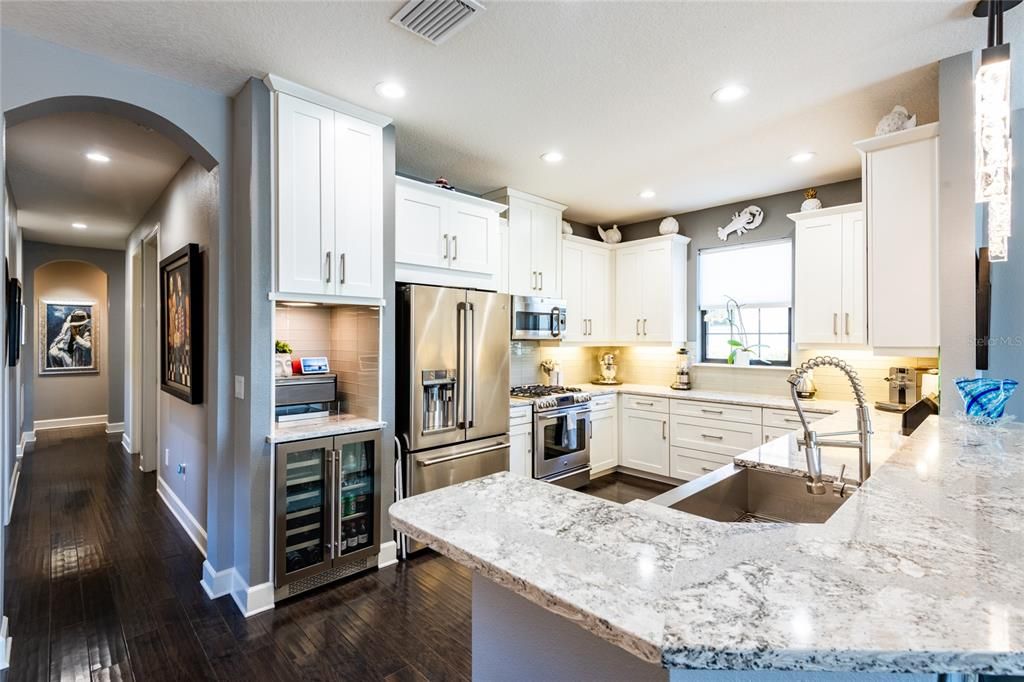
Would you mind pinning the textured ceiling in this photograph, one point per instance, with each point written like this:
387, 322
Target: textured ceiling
621, 88
54, 185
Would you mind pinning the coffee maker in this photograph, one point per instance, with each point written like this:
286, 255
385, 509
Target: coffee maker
904, 388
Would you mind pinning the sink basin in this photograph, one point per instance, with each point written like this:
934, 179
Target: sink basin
737, 494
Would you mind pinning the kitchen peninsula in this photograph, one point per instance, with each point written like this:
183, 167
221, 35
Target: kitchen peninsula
917, 575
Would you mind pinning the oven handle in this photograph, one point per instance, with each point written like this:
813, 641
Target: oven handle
554, 416
448, 458
567, 474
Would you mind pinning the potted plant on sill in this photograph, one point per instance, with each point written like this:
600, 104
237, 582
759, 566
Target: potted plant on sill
282, 359
742, 352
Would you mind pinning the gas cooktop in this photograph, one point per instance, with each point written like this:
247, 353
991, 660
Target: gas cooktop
550, 397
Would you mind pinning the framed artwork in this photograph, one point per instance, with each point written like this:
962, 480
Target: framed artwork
15, 322
181, 325
68, 338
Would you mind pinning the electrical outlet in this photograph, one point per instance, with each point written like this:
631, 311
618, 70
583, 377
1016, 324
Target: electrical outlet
181, 469
240, 387
167, 457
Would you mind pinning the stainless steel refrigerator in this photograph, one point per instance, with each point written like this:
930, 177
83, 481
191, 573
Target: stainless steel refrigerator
453, 385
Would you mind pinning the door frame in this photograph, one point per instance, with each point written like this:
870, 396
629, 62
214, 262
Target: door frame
149, 357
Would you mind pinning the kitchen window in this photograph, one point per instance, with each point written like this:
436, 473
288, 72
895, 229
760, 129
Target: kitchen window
745, 298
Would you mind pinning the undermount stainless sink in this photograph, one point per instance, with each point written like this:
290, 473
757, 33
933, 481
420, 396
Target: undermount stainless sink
739, 494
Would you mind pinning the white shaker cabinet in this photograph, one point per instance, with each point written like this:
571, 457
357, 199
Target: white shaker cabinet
830, 276
520, 456
604, 439
534, 243
444, 237
650, 290
645, 441
901, 184
329, 195
586, 288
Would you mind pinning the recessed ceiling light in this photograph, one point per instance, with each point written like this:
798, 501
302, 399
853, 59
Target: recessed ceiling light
79, 226
802, 157
552, 156
647, 194
390, 90
98, 157
729, 93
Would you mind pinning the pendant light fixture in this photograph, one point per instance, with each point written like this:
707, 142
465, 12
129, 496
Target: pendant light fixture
992, 144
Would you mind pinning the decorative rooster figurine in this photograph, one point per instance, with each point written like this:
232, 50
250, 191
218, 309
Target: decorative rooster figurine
612, 236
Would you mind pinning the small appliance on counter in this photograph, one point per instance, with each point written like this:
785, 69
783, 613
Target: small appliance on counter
682, 380
905, 388
608, 370
805, 388
304, 396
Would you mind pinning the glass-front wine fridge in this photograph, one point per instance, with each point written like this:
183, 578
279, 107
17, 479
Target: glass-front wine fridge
327, 504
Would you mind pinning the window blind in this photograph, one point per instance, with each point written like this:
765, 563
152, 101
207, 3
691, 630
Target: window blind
755, 275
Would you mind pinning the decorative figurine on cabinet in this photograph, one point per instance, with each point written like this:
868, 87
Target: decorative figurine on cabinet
612, 236
811, 201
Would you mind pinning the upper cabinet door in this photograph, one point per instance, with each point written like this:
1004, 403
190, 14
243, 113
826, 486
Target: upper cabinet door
854, 329
597, 287
474, 238
358, 208
628, 286
420, 238
546, 233
656, 275
573, 291
819, 279
522, 274
306, 254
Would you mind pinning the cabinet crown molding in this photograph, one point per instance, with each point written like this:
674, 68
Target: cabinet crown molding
507, 192
676, 238
450, 193
823, 212
921, 132
279, 84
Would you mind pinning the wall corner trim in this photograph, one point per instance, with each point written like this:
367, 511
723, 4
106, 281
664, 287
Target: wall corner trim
115, 427
5, 646
251, 600
188, 522
13, 492
126, 444
388, 555
216, 583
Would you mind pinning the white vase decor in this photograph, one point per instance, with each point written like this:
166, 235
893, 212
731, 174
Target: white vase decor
668, 225
811, 201
566, 228
612, 236
742, 358
282, 365
896, 120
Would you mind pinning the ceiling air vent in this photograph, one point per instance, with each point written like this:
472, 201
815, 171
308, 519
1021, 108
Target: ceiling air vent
436, 20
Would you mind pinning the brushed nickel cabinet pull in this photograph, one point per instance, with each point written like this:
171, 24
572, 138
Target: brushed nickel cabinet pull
638, 326
328, 267
712, 436
835, 324
645, 326
847, 324
342, 270
664, 429
446, 247
455, 247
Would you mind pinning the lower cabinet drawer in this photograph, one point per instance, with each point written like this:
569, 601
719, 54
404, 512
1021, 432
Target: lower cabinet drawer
603, 402
712, 435
727, 412
520, 415
773, 432
689, 464
645, 403
788, 419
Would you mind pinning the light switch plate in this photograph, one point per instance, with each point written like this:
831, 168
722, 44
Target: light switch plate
240, 387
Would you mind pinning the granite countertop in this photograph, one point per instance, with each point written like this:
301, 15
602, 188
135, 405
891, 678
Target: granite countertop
919, 571
782, 402
334, 425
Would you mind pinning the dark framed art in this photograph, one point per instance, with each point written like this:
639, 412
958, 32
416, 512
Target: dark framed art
181, 325
68, 337
15, 321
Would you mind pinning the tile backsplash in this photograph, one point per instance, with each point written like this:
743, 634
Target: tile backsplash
349, 336
656, 365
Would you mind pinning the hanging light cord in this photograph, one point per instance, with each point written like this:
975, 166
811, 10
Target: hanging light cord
995, 22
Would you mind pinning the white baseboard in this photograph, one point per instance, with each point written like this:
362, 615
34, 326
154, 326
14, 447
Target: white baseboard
26, 438
216, 583
41, 424
192, 527
5, 646
115, 427
13, 492
251, 600
388, 554
126, 444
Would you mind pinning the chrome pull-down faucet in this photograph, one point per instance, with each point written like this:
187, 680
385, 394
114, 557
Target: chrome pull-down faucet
812, 441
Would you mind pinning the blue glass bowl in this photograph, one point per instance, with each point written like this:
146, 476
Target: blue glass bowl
985, 399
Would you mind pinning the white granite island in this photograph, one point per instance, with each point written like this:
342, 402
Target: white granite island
918, 575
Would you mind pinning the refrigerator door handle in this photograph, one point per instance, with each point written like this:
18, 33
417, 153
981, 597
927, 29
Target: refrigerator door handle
471, 363
448, 458
331, 544
460, 365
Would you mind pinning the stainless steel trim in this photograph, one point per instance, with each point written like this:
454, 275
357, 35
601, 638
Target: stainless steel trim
342, 270
332, 541
543, 468
328, 280
471, 332
460, 364
448, 458
712, 436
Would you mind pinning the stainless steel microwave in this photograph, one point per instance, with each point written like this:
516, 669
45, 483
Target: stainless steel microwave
537, 319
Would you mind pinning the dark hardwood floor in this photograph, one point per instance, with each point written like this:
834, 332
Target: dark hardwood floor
623, 488
102, 584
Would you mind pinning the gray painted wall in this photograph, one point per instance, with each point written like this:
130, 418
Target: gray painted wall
702, 229
186, 212
37, 254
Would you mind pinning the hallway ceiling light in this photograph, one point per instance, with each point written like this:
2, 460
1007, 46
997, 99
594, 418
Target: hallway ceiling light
729, 93
553, 156
390, 90
802, 157
98, 157
647, 194
79, 226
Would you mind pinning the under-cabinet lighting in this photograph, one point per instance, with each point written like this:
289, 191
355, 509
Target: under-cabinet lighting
98, 157
79, 226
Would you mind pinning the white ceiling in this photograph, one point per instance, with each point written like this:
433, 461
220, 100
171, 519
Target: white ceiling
621, 88
54, 185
